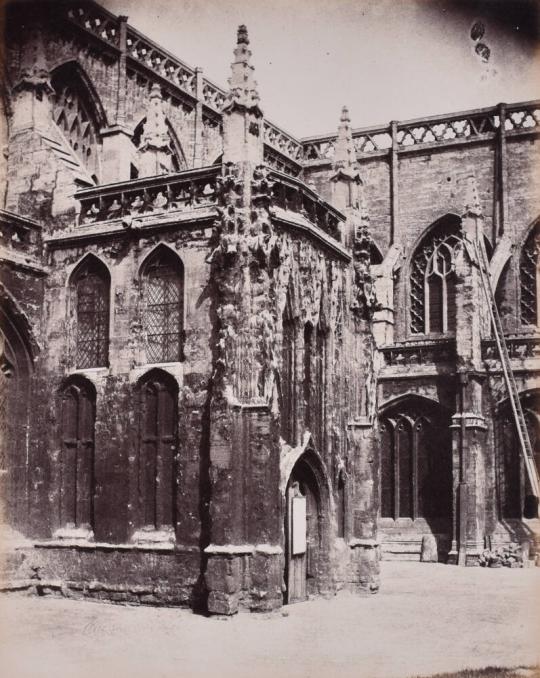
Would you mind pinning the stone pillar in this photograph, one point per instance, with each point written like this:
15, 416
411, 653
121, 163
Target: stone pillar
361, 430
244, 558
468, 424
383, 317
31, 176
118, 151
118, 154
364, 556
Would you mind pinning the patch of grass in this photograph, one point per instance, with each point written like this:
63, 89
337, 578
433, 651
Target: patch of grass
493, 672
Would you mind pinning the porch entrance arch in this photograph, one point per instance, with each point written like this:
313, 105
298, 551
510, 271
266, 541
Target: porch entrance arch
306, 528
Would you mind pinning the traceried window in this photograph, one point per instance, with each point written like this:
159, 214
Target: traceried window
78, 404
530, 277
91, 282
433, 298
157, 450
416, 468
74, 114
163, 290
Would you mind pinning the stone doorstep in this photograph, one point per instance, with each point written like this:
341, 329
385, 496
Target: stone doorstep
401, 546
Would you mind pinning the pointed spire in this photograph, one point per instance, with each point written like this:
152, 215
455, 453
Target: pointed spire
34, 72
155, 133
242, 85
472, 204
345, 152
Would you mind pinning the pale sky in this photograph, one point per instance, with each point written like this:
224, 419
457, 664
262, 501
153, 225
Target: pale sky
384, 59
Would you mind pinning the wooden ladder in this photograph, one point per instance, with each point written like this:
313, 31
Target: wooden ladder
519, 418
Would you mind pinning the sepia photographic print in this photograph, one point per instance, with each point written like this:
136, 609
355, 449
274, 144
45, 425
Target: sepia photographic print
269, 341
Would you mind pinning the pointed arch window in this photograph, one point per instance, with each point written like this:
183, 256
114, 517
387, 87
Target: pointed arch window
529, 277
416, 466
163, 291
78, 405
432, 283
91, 283
157, 451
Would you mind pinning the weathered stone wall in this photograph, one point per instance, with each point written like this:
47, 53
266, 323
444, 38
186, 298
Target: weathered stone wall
245, 260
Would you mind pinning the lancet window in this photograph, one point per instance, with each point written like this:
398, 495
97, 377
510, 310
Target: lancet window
163, 278
432, 282
91, 284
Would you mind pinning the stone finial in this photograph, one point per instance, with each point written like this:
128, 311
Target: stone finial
34, 72
472, 204
242, 35
345, 153
243, 92
155, 134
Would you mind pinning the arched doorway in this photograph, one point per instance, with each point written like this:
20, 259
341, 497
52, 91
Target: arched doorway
305, 551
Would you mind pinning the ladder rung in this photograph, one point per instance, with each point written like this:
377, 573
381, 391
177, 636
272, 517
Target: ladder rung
517, 410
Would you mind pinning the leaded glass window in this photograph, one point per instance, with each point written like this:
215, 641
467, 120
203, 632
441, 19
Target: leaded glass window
92, 285
530, 278
432, 294
78, 404
164, 307
157, 452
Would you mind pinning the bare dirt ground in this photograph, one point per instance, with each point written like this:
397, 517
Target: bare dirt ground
427, 619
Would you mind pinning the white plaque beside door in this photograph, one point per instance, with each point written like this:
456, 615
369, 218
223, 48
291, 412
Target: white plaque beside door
299, 525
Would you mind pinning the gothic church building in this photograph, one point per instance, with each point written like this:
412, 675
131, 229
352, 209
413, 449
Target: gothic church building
239, 368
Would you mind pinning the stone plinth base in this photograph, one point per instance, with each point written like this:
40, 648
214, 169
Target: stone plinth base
142, 574
244, 577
